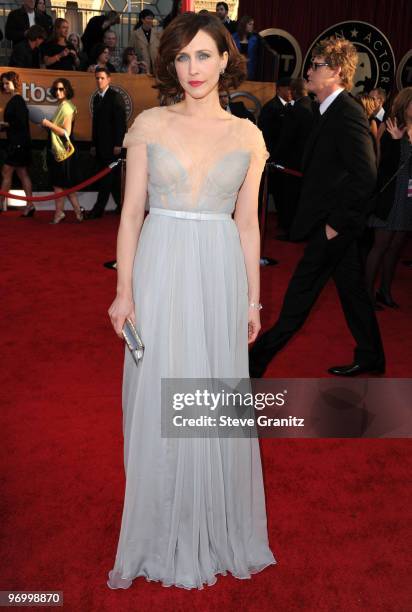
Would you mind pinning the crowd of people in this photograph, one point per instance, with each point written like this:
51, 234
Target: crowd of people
38, 42
109, 126
287, 122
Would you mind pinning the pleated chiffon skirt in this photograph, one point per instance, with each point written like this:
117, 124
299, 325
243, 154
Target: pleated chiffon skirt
194, 507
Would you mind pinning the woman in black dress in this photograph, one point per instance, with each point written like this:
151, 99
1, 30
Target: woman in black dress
392, 219
61, 161
58, 53
16, 125
40, 5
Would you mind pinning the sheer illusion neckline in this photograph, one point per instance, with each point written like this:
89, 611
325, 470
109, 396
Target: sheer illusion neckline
229, 118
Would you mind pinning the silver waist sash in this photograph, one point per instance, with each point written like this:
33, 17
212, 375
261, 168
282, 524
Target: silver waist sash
185, 214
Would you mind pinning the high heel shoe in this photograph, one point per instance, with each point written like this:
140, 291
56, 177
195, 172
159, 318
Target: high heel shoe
29, 212
58, 219
80, 216
386, 299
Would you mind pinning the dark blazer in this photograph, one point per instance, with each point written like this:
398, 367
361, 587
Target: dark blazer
230, 25
296, 129
23, 56
339, 166
270, 121
94, 33
18, 22
16, 114
109, 123
390, 155
239, 110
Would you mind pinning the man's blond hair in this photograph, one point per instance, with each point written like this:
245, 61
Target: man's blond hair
339, 53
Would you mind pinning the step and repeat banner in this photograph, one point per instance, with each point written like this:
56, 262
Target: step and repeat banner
377, 68
377, 65
137, 92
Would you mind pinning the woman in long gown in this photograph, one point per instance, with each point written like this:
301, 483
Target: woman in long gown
189, 279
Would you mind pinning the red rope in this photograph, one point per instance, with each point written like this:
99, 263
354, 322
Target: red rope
285, 170
62, 194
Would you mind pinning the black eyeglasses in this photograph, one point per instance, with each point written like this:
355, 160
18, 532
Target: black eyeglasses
316, 65
59, 89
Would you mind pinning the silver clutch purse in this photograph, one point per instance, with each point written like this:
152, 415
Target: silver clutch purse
133, 340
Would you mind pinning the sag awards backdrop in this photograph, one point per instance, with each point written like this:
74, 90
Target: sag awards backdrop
380, 30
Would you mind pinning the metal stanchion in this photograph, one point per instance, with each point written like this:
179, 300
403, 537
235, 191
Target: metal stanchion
112, 265
265, 261
122, 178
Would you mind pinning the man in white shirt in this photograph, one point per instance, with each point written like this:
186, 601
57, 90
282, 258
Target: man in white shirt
339, 179
20, 20
222, 11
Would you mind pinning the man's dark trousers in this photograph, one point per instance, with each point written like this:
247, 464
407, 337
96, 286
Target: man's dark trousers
337, 258
109, 184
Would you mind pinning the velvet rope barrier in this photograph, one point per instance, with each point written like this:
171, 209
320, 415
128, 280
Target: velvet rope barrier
62, 194
284, 170
265, 196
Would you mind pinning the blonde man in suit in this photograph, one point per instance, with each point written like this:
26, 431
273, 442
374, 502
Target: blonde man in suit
145, 39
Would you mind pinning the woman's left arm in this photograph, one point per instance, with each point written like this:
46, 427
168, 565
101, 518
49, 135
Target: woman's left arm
246, 219
57, 129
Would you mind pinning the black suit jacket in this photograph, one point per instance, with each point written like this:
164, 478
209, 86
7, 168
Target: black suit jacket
270, 121
340, 172
94, 33
23, 56
109, 123
239, 110
231, 26
296, 129
18, 22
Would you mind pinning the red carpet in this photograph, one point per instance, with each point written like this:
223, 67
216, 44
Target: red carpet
338, 510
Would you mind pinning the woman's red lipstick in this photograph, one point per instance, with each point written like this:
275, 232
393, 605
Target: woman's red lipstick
195, 83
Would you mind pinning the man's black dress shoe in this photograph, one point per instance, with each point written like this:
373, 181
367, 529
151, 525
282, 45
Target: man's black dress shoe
354, 369
258, 359
256, 370
386, 299
92, 214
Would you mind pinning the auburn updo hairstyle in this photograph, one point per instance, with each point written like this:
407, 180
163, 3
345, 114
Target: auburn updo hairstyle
178, 34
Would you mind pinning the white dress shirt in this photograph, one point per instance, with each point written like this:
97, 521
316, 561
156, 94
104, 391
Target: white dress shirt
101, 94
381, 114
328, 101
284, 101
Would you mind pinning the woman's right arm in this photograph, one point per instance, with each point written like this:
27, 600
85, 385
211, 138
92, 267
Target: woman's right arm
131, 222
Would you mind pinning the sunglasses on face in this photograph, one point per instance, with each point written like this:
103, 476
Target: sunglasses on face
59, 88
316, 65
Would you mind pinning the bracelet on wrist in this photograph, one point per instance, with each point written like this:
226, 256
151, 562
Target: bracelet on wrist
255, 305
